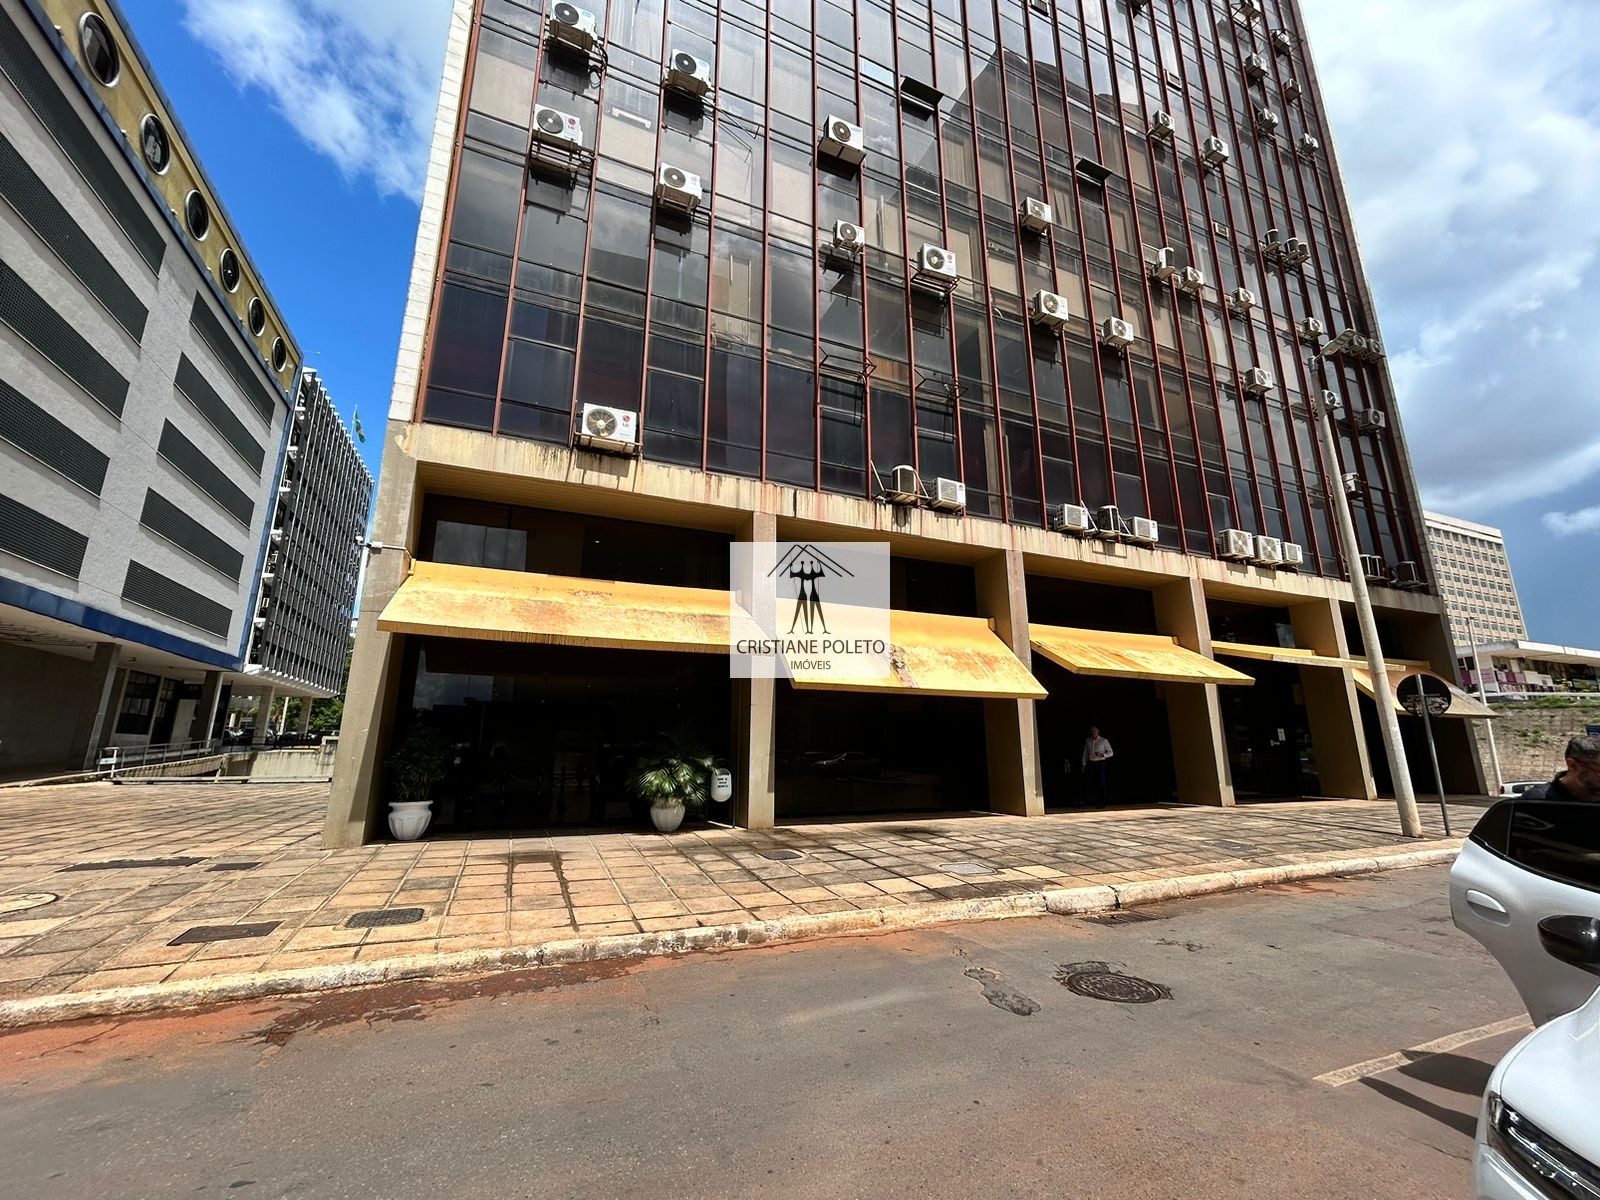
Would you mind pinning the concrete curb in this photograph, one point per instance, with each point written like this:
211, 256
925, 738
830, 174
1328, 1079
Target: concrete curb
1077, 901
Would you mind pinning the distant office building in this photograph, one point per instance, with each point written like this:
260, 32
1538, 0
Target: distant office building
308, 588
1474, 576
145, 402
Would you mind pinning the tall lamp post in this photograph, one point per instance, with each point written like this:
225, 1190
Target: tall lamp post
1483, 695
1326, 404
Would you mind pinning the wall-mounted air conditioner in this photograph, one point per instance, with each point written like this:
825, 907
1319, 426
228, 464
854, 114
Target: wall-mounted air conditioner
934, 268
1116, 334
1294, 556
1311, 330
1162, 126
1163, 263
574, 27
1255, 66
678, 189
949, 495
1266, 121
1048, 309
1241, 300
1257, 381
601, 427
1282, 41
1036, 215
842, 140
1372, 420
1408, 575
903, 488
1144, 531
1268, 551
1236, 545
551, 126
1191, 280
1374, 569
1351, 482
687, 74
1071, 518
1307, 146
1107, 522
847, 240
1214, 152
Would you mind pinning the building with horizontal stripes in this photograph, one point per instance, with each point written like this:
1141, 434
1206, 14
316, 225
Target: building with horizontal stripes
1028, 290
146, 405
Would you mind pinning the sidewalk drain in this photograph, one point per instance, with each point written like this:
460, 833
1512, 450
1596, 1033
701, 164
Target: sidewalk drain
239, 866
965, 868
1127, 916
202, 934
129, 864
374, 917
26, 901
782, 855
1102, 981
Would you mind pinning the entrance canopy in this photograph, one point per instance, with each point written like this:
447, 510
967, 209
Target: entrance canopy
1462, 705
1129, 656
1282, 654
517, 606
932, 654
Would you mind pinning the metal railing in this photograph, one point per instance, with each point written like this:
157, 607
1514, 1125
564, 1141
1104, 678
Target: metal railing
114, 759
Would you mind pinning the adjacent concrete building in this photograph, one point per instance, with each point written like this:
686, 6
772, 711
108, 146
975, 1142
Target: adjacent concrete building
146, 401
1474, 576
1024, 290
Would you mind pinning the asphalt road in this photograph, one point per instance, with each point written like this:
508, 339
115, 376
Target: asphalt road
944, 1063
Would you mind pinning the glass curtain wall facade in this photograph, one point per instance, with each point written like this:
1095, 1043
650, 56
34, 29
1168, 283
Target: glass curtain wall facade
748, 350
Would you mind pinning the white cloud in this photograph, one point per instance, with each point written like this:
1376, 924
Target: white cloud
1469, 136
1566, 524
357, 79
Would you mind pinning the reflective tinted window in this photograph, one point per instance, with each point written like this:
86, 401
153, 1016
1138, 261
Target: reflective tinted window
99, 50
154, 144
1557, 838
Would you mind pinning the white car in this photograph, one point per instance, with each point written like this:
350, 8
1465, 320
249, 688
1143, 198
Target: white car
1527, 885
1516, 789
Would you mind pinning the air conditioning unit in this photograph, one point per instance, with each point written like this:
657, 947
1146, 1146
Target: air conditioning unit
555, 127
903, 487
260, 622
1236, 545
1036, 215
284, 489
1241, 300
1107, 522
1162, 126
1272, 243
1144, 531
1116, 333
294, 453
277, 537
848, 240
1248, 12
604, 428
1408, 575
1266, 121
842, 140
1351, 482
1214, 151
1331, 402
1374, 569
688, 74
1192, 280
949, 495
1292, 90
1268, 551
1255, 66
1071, 518
1296, 252
678, 189
572, 26
1374, 349
1049, 309
1311, 330
268, 577
1294, 556
1282, 40
1163, 263
1372, 420
1174, 78
935, 268
1307, 146
1257, 381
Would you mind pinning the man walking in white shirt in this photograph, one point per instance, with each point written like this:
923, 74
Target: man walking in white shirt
1096, 759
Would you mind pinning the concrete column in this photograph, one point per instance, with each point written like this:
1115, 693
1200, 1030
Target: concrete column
305, 717
1009, 727
1199, 750
205, 712
264, 707
1333, 707
95, 718
755, 702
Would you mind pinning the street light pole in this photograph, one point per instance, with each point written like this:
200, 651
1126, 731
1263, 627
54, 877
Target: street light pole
1382, 691
1483, 695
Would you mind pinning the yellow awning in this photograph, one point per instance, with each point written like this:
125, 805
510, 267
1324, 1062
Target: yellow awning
1462, 705
444, 600
931, 654
1281, 654
1129, 656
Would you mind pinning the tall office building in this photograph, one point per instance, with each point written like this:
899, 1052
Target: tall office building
1025, 289
146, 396
1474, 576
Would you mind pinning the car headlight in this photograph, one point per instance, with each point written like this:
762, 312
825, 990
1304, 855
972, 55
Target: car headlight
1546, 1164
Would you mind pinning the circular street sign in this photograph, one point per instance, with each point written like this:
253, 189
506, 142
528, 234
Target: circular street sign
1419, 693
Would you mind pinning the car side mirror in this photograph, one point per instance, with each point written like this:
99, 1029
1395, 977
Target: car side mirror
1574, 940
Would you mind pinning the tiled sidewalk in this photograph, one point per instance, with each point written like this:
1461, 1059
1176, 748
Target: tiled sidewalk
258, 862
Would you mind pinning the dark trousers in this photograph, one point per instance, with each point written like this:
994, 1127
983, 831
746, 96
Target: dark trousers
1095, 790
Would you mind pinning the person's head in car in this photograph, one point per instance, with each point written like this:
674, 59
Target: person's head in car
1582, 776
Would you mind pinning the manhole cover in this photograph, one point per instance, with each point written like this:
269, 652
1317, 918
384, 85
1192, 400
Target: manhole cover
965, 868
782, 855
1101, 981
375, 917
27, 900
223, 933
239, 866
130, 864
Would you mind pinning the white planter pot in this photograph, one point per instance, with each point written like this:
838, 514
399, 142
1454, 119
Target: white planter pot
408, 818
721, 786
666, 817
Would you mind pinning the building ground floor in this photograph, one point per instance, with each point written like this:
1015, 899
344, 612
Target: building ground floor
552, 621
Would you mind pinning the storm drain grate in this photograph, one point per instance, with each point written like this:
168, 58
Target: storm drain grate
26, 901
239, 866
1125, 917
1101, 981
374, 917
965, 868
782, 855
129, 864
201, 934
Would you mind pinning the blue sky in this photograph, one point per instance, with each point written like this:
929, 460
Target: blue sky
1468, 132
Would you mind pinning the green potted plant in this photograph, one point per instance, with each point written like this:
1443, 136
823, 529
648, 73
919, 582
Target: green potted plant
414, 766
672, 777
